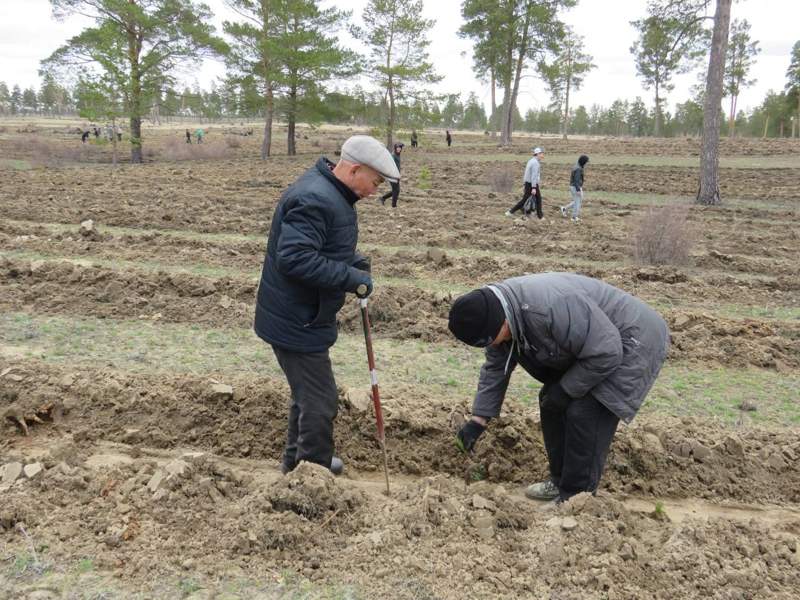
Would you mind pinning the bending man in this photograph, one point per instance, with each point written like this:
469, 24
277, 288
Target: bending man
596, 349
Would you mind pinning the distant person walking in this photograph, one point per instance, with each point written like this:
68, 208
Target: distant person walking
96, 132
199, 135
448, 138
576, 189
532, 195
85, 136
414, 140
395, 191
188, 137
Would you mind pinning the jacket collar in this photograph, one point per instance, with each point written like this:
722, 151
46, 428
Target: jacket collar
325, 167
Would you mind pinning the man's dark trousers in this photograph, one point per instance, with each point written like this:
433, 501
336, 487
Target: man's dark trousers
577, 442
394, 194
313, 409
527, 193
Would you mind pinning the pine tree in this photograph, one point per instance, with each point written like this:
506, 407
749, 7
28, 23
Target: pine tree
396, 36
134, 47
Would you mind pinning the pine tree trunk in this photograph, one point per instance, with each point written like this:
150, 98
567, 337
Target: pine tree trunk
709, 149
136, 139
565, 126
508, 120
732, 118
390, 120
657, 123
134, 49
291, 146
291, 117
266, 144
797, 120
493, 117
114, 141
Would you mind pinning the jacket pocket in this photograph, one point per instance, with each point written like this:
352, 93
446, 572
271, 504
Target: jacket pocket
328, 306
634, 369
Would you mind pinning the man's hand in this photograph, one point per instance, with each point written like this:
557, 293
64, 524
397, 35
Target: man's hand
362, 263
554, 398
468, 435
363, 284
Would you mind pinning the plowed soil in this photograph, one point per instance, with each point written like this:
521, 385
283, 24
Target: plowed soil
167, 483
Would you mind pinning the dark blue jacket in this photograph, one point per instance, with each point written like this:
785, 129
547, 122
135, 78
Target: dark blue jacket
307, 269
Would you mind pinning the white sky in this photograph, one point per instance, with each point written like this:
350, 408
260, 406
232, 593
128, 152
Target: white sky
28, 33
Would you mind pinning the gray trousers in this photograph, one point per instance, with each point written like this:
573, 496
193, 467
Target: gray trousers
575, 205
313, 408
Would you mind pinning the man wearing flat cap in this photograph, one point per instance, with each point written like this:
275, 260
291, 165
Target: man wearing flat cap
596, 349
311, 262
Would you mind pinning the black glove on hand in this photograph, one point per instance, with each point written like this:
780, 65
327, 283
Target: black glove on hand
362, 284
468, 435
362, 263
553, 397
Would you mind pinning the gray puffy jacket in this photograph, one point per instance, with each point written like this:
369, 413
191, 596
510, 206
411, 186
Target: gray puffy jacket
588, 335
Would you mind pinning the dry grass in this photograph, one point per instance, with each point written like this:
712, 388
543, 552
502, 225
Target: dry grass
51, 153
502, 180
663, 236
177, 149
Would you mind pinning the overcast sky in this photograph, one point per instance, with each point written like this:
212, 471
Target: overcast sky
28, 33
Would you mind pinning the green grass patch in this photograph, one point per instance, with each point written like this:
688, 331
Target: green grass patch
15, 164
82, 580
444, 370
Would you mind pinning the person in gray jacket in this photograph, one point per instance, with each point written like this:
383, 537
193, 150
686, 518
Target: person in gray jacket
596, 349
531, 195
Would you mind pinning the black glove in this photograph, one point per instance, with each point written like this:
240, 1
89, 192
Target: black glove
360, 283
362, 263
468, 435
553, 397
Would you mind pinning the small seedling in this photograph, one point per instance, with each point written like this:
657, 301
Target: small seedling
478, 473
188, 586
424, 182
85, 565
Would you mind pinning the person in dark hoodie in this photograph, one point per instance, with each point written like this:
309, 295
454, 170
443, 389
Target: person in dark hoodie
576, 189
394, 193
596, 349
311, 262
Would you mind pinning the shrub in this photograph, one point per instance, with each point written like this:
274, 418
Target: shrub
663, 236
233, 141
502, 180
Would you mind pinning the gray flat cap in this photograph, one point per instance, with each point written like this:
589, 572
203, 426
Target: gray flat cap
366, 150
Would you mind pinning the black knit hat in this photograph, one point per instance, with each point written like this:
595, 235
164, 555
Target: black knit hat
476, 317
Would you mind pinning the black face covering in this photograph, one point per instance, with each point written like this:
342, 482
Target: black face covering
476, 317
